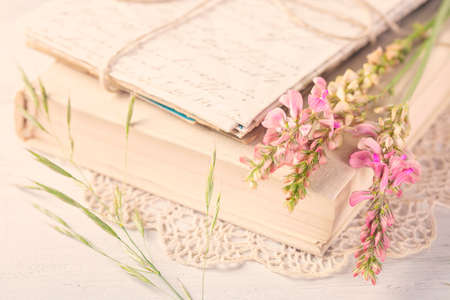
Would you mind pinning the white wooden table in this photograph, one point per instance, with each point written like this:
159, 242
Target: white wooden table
38, 263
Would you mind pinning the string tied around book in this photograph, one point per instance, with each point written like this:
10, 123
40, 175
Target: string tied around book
104, 72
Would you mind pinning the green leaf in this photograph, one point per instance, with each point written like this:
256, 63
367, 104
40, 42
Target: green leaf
136, 274
186, 292
214, 221
117, 203
52, 165
44, 96
429, 43
87, 212
63, 231
30, 88
51, 215
210, 182
69, 112
33, 120
129, 115
69, 128
137, 258
83, 240
137, 219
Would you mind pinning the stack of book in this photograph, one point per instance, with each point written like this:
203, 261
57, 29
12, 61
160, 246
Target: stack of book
205, 82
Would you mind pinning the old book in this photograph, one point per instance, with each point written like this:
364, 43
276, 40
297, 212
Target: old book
219, 63
170, 159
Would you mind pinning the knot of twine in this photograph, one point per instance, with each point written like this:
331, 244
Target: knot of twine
104, 70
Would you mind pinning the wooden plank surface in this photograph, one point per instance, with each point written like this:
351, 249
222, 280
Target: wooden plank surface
38, 263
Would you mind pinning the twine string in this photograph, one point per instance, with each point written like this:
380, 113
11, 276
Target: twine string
104, 71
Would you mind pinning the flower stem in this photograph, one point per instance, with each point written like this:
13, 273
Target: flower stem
157, 272
428, 44
389, 87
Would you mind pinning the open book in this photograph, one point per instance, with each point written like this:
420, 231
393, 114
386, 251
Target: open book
222, 65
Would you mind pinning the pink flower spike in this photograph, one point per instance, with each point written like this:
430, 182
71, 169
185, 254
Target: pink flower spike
294, 101
359, 196
365, 129
275, 118
360, 159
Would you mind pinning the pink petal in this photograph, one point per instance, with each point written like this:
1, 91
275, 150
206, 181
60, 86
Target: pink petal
294, 101
369, 144
317, 104
358, 196
319, 81
363, 235
360, 159
369, 217
384, 179
282, 139
270, 136
377, 237
365, 129
380, 253
274, 118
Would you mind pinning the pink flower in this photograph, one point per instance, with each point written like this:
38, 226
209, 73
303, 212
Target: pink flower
403, 170
294, 101
275, 118
317, 100
366, 129
410, 175
357, 197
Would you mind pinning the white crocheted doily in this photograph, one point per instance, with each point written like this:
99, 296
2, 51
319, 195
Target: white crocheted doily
182, 230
